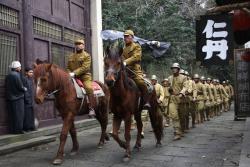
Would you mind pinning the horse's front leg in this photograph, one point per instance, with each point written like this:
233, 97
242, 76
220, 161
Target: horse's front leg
103, 120
115, 135
67, 123
127, 137
139, 130
73, 135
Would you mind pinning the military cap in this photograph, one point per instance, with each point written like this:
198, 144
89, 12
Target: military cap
165, 79
176, 65
79, 41
196, 76
129, 32
182, 71
153, 77
203, 78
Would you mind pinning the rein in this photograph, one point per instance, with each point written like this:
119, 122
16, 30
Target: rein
54, 92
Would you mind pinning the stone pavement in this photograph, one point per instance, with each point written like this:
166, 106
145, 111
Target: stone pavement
216, 143
245, 147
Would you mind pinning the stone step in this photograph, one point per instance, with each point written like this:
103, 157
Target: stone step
12, 147
46, 131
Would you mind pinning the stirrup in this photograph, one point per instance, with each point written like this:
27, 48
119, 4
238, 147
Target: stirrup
146, 106
92, 113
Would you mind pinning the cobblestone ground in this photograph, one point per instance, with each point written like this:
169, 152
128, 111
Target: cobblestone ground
216, 143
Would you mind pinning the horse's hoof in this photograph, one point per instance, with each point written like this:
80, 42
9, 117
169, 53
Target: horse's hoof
126, 159
100, 146
57, 161
158, 145
137, 147
72, 153
107, 138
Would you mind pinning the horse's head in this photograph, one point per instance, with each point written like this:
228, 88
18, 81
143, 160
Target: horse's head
42, 79
113, 65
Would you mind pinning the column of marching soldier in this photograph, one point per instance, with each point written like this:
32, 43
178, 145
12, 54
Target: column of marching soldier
186, 99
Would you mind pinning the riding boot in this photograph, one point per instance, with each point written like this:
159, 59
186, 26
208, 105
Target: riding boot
91, 105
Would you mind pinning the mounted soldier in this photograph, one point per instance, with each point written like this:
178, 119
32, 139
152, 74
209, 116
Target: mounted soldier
131, 55
79, 64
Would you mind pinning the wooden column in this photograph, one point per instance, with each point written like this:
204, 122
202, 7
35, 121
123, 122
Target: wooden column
28, 39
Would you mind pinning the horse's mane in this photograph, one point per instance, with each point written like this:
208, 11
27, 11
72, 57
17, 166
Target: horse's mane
115, 53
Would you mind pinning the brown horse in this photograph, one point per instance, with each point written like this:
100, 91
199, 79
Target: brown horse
50, 79
125, 102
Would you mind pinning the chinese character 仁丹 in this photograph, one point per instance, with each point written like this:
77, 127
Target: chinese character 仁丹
215, 45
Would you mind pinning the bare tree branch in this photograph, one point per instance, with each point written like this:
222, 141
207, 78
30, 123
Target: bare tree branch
228, 8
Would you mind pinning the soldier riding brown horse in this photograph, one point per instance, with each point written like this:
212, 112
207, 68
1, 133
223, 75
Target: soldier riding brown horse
125, 102
50, 79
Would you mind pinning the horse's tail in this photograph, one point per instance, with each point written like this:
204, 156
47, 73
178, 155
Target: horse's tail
156, 118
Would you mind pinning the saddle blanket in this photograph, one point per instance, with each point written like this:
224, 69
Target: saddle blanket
81, 92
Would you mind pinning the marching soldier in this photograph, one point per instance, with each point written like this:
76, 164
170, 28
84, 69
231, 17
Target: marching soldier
208, 98
212, 97
79, 66
190, 93
226, 96
177, 92
217, 97
165, 103
231, 93
159, 92
183, 112
201, 94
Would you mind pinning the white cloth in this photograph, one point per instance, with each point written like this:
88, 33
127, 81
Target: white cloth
15, 64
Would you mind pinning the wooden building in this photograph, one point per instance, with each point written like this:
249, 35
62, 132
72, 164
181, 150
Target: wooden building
46, 29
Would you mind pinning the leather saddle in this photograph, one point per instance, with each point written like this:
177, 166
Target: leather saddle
81, 92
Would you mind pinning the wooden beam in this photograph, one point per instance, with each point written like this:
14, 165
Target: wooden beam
228, 8
247, 11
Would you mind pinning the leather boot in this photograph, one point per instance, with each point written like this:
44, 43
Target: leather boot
91, 106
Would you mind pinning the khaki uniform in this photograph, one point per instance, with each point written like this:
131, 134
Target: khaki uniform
225, 97
79, 63
165, 103
214, 102
132, 57
160, 96
200, 101
177, 85
159, 92
212, 99
219, 98
209, 99
190, 93
231, 94
185, 103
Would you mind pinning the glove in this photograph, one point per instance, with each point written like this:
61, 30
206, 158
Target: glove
194, 99
181, 95
25, 89
124, 63
72, 75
